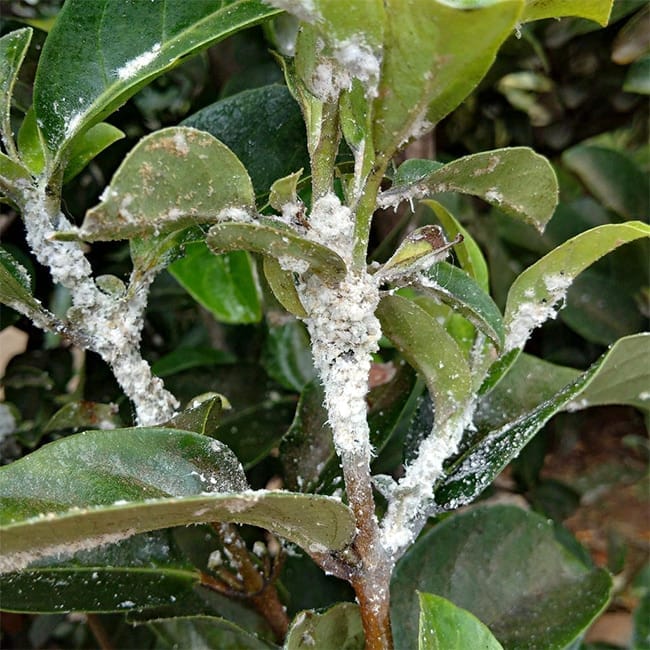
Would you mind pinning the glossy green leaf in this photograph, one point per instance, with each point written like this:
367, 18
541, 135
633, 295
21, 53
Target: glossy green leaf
99, 54
429, 349
202, 415
529, 382
152, 253
172, 179
518, 181
30, 144
455, 288
253, 432
16, 288
13, 177
443, 626
427, 68
597, 10
505, 566
469, 254
286, 355
88, 145
102, 486
307, 451
284, 190
82, 415
637, 79
13, 47
534, 294
283, 286
414, 170
263, 127
603, 303
144, 571
205, 632
622, 378
420, 248
268, 238
612, 177
339, 627
484, 460
226, 285
185, 358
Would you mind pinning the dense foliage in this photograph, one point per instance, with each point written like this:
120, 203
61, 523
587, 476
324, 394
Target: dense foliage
283, 295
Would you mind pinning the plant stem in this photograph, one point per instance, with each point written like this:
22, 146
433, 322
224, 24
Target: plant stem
323, 151
371, 582
364, 210
255, 586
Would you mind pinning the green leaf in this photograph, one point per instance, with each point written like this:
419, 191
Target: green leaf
30, 143
172, 179
637, 79
88, 145
185, 358
518, 181
78, 415
597, 10
102, 486
443, 626
486, 458
286, 355
339, 627
469, 254
612, 177
284, 190
414, 170
253, 432
263, 127
622, 378
16, 287
505, 566
535, 292
431, 351
420, 248
99, 54
144, 571
283, 286
427, 67
202, 415
205, 632
13, 47
455, 288
226, 285
14, 178
529, 382
275, 240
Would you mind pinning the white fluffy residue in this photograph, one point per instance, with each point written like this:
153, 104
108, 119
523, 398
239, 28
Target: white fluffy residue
339, 63
136, 64
494, 196
332, 225
304, 10
359, 61
345, 333
235, 214
111, 326
530, 314
18, 560
407, 511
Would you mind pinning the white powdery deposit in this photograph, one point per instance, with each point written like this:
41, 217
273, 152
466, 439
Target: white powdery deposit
110, 326
530, 314
134, 65
408, 509
345, 333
